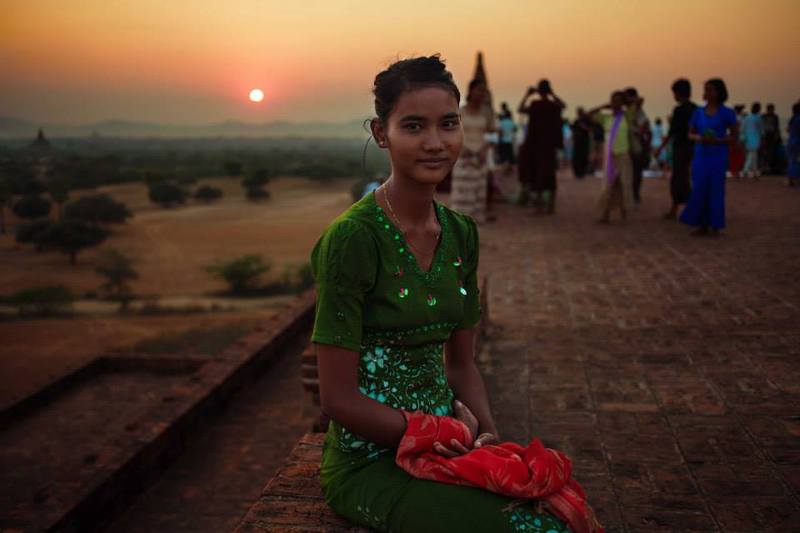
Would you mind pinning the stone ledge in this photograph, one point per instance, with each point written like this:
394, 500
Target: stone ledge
89, 494
292, 501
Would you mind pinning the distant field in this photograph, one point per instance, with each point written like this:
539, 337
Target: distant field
171, 247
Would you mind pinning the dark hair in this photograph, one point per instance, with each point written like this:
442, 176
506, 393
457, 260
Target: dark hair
770, 107
756, 107
618, 93
631, 92
682, 87
544, 86
722, 90
408, 75
796, 108
475, 83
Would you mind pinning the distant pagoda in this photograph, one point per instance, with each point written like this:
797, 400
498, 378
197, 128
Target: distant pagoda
41, 142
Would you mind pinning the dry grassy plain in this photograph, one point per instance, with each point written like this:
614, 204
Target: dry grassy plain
170, 247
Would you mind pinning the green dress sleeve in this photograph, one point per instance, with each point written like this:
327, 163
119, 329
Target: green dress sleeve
344, 265
472, 300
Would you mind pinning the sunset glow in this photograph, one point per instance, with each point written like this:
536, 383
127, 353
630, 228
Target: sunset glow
83, 60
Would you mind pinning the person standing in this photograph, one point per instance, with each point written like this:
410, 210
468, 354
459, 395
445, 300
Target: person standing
566, 151
598, 143
581, 140
471, 171
640, 138
618, 166
508, 132
682, 146
544, 138
772, 147
793, 146
753, 130
657, 160
736, 149
712, 128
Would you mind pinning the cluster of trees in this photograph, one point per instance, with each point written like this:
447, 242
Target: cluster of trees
243, 276
79, 224
116, 270
90, 163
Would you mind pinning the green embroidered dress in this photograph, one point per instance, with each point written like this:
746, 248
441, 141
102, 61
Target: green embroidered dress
372, 298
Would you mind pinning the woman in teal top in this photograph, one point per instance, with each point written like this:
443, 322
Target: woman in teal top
397, 303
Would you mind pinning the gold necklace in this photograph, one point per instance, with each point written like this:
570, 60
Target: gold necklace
400, 226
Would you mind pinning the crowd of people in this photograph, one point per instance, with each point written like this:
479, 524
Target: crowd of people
701, 148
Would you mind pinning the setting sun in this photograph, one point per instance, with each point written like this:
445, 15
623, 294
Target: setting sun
256, 95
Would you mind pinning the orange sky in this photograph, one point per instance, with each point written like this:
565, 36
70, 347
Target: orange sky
195, 61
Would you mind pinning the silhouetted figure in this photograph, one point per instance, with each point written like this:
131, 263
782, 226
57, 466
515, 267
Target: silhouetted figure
581, 143
538, 155
640, 138
793, 146
682, 146
712, 128
598, 143
772, 145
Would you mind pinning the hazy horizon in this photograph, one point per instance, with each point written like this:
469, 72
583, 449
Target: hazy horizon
73, 62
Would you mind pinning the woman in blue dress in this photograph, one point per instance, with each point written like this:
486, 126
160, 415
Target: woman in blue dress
712, 128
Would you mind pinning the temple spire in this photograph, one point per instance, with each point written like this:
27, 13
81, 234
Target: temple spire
480, 72
40, 141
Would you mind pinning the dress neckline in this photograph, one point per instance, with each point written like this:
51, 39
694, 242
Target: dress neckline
430, 275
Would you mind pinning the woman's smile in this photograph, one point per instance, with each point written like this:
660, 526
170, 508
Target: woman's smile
434, 163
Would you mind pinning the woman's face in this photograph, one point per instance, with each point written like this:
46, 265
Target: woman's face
423, 134
710, 93
477, 95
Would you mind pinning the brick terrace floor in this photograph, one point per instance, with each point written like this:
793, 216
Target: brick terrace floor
666, 365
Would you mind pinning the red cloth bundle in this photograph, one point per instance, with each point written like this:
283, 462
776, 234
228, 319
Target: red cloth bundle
509, 469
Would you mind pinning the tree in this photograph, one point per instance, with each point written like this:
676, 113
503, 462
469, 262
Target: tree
98, 209
258, 178
254, 184
58, 186
118, 270
32, 206
32, 232
241, 274
167, 194
70, 236
232, 168
206, 193
5, 197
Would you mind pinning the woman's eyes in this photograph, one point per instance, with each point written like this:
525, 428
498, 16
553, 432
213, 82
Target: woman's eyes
416, 126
